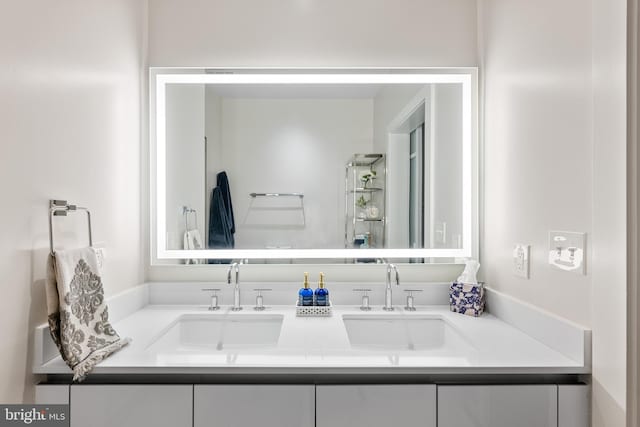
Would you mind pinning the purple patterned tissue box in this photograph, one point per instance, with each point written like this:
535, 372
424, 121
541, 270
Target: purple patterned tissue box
467, 299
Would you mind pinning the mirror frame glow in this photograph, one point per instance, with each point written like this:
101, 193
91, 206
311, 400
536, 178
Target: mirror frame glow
160, 77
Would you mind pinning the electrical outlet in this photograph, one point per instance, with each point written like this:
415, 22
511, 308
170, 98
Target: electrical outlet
521, 260
567, 251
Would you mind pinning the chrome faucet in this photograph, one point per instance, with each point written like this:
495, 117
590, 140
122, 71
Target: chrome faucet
236, 290
388, 301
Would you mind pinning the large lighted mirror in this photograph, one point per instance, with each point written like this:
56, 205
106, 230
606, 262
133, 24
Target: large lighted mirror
349, 165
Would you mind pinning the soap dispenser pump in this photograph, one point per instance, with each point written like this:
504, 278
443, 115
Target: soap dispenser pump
305, 294
321, 294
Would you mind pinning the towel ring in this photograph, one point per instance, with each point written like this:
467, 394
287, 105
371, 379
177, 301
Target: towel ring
62, 208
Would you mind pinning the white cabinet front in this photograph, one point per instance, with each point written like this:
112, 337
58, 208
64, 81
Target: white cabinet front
574, 405
498, 406
52, 394
254, 406
375, 405
131, 405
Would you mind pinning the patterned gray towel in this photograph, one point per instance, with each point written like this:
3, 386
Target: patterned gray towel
77, 312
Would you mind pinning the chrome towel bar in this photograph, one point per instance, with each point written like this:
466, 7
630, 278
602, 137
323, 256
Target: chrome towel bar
254, 195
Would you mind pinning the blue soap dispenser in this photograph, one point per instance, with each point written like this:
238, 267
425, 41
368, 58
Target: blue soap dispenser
321, 294
305, 294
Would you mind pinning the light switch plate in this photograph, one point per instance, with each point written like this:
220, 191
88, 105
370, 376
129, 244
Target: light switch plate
567, 251
521, 260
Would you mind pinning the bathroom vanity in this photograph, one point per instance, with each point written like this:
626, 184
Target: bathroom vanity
276, 142
188, 365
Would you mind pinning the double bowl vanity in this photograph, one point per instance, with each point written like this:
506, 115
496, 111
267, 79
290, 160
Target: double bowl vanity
246, 335
188, 365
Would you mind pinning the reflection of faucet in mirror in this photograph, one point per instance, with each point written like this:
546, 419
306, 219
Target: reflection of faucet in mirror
236, 290
388, 301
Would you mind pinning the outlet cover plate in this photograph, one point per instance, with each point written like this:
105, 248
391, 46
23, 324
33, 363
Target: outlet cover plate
567, 251
521, 260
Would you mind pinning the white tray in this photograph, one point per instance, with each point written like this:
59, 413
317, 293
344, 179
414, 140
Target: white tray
313, 310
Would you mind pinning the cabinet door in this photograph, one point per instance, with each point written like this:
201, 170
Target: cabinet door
254, 405
498, 406
131, 405
574, 408
52, 394
375, 405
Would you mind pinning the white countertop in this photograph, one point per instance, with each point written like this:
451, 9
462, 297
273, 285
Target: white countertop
321, 345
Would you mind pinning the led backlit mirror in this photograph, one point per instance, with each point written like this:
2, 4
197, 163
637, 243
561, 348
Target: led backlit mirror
349, 165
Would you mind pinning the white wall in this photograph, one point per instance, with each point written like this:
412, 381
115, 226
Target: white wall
312, 33
185, 160
70, 117
554, 159
538, 145
609, 242
291, 146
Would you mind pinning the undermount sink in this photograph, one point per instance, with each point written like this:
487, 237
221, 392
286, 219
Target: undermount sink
219, 332
402, 333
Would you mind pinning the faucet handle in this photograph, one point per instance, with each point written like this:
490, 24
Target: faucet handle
410, 306
365, 298
214, 298
259, 299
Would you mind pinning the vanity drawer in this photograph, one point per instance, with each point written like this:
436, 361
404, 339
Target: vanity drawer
47, 394
131, 405
254, 405
498, 406
376, 405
